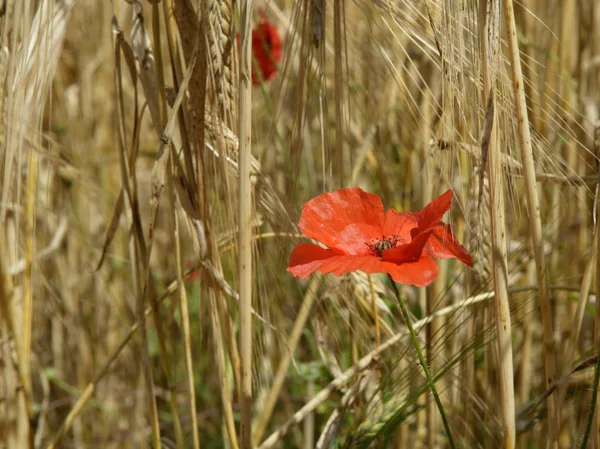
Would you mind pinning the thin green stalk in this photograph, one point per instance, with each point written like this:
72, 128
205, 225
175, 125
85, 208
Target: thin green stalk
590, 419
430, 382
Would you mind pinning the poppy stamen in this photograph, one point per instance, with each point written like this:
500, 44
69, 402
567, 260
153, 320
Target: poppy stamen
382, 244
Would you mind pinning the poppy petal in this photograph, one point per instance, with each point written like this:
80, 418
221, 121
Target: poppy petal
266, 50
443, 245
308, 258
344, 220
434, 211
399, 225
420, 273
304, 255
409, 252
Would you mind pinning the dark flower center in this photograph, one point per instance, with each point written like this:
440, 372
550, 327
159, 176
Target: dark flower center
378, 246
382, 245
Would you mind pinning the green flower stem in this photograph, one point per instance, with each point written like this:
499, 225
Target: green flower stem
413, 336
590, 420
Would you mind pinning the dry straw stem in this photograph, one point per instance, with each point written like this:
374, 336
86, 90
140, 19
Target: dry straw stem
527, 368
596, 212
284, 364
172, 288
489, 37
577, 319
185, 318
363, 364
26, 325
142, 54
149, 77
509, 162
35, 47
533, 207
382, 104
158, 183
339, 86
500, 272
20, 401
435, 290
331, 427
245, 223
90, 389
597, 324
164, 164
54, 245
138, 249
221, 368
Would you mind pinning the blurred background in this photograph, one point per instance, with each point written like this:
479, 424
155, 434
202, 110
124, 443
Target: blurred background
119, 128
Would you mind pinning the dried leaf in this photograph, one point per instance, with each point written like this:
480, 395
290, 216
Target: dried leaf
488, 125
318, 22
157, 186
144, 63
186, 198
112, 228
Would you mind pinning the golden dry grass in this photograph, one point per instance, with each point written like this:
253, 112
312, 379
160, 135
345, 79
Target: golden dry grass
119, 282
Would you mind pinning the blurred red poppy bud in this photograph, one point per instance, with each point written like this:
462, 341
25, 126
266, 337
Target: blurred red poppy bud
266, 50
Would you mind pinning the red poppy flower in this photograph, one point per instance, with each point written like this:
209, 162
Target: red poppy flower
360, 236
266, 49
194, 275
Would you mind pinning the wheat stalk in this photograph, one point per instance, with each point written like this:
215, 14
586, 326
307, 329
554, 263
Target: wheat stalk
533, 207
489, 17
245, 223
282, 369
220, 37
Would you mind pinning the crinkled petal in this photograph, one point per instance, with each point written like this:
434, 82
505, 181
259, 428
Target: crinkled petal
421, 272
399, 225
409, 252
308, 258
434, 211
344, 220
443, 245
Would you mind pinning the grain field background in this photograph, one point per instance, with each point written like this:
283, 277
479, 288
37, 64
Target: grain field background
140, 169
